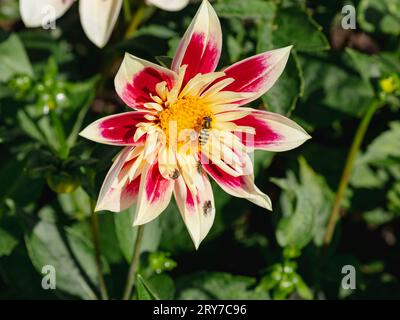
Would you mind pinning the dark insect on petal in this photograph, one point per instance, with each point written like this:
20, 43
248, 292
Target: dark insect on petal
207, 206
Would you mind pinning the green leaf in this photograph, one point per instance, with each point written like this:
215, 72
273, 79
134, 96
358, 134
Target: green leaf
377, 216
9, 10
126, 233
335, 86
282, 97
161, 287
83, 250
76, 204
302, 289
374, 66
143, 292
306, 206
274, 31
165, 61
385, 146
363, 176
157, 287
380, 162
297, 229
7, 243
242, 10
217, 285
47, 246
294, 26
380, 16
267, 283
393, 197
158, 31
261, 161
30, 127
13, 59
175, 237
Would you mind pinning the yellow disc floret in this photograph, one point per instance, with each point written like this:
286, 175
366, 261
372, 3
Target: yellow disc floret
186, 113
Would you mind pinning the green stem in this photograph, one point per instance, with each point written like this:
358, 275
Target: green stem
94, 223
130, 280
344, 180
63, 148
141, 15
127, 11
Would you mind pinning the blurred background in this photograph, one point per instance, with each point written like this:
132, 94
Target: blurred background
337, 81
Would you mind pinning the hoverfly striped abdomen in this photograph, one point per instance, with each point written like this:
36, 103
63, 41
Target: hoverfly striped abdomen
204, 132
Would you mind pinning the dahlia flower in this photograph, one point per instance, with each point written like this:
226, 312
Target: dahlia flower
189, 124
98, 17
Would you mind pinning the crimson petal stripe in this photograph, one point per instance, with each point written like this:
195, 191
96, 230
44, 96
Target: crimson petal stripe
273, 132
136, 80
116, 129
200, 47
257, 74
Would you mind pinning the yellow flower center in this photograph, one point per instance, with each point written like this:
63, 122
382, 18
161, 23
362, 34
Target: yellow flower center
185, 113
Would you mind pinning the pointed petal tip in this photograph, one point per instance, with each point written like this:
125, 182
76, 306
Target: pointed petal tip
139, 222
101, 206
98, 19
90, 133
174, 5
83, 133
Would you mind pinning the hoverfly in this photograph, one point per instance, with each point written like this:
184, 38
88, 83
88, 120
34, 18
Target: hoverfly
204, 132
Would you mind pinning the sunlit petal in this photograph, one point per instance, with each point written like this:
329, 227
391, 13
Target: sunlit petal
98, 19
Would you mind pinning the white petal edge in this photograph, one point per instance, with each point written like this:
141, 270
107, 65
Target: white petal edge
131, 66
39, 12
205, 21
98, 19
197, 222
145, 210
169, 5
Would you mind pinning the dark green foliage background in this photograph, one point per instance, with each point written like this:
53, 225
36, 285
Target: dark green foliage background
331, 78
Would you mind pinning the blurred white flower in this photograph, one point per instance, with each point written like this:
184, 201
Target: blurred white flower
98, 17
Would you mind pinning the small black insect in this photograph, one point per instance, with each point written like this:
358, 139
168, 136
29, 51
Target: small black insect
205, 127
207, 206
199, 167
176, 174
207, 122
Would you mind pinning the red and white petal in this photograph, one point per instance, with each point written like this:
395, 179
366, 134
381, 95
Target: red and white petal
200, 47
169, 5
115, 129
187, 164
167, 162
120, 198
258, 73
41, 12
273, 132
226, 154
154, 194
98, 19
137, 79
198, 209
242, 186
